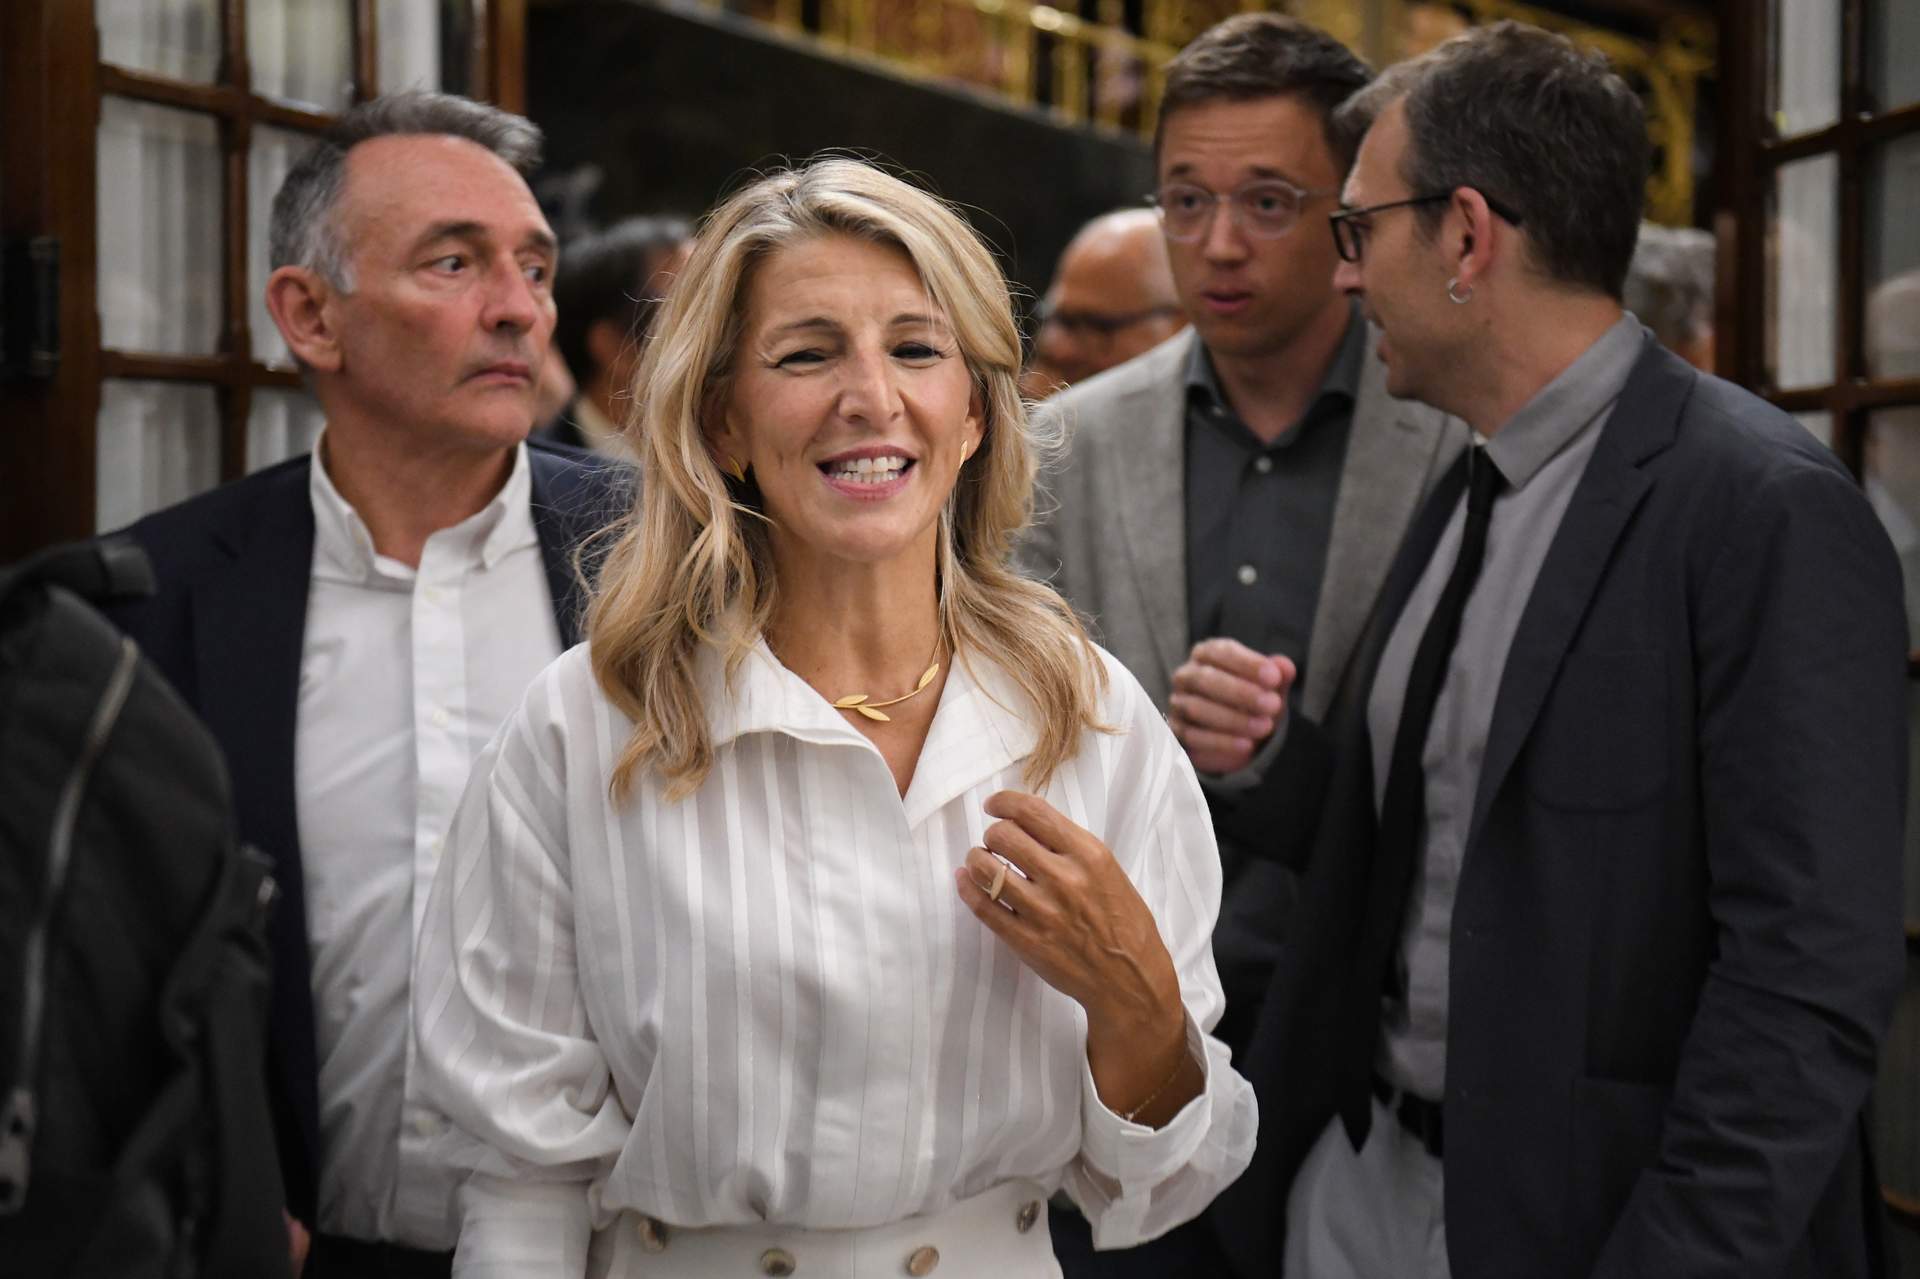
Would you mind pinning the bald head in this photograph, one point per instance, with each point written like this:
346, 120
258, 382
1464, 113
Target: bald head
1112, 298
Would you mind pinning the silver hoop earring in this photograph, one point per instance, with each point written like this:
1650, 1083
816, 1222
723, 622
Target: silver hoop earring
1455, 296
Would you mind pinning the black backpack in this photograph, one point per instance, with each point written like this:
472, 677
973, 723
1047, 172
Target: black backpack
134, 1130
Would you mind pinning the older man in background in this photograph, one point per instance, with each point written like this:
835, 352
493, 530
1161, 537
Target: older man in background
1112, 298
354, 625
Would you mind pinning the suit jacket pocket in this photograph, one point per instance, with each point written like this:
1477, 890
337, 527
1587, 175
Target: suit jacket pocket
1616, 1128
1600, 743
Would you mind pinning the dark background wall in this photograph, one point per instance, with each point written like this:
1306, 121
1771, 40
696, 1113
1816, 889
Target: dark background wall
674, 109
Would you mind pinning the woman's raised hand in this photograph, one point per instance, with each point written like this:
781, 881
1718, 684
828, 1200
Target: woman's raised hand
1068, 910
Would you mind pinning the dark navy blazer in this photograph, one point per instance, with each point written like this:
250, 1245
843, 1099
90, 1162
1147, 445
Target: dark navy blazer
1677, 936
226, 628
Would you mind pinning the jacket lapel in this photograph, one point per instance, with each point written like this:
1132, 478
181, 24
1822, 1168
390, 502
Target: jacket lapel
1147, 474
249, 623
1642, 423
1394, 451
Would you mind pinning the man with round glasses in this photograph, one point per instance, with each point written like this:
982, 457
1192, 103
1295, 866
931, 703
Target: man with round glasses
1231, 499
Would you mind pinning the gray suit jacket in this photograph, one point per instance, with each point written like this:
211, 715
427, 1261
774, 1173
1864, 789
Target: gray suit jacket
1110, 531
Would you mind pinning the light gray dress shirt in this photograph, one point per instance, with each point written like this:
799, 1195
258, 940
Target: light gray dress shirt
1542, 452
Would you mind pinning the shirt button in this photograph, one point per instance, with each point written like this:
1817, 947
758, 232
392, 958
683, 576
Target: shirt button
428, 1125
777, 1263
922, 1262
1263, 464
441, 718
1029, 1215
1248, 575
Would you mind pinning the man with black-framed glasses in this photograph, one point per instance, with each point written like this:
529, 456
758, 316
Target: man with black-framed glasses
1601, 932
1111, 299
1230, 500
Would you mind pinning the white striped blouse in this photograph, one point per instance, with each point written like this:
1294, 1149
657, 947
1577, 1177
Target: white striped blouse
766, 1003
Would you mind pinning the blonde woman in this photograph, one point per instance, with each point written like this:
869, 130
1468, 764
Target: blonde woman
838, 901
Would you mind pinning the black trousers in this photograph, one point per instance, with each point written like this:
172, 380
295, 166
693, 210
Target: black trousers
337, 1257
1186, 1252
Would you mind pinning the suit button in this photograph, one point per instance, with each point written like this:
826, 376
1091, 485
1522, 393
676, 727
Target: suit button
653, 1234
777, 1263
1029, 1214
1247, 574
922, 1262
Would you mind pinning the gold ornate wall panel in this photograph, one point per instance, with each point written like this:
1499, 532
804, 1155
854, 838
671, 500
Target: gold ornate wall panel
1099, 63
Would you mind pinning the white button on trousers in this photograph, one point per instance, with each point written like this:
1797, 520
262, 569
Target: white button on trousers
1000, 1234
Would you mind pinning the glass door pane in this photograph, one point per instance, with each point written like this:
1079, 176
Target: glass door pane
1805, 47
160, 219
1801, 272
302, 50
159, 443
1892, 234
409, 45
1893, 53
176, 38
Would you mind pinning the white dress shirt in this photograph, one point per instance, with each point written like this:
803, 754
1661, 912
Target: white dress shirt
404, 675
767, 1002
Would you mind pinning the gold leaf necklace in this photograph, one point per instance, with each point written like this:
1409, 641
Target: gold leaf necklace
858, 703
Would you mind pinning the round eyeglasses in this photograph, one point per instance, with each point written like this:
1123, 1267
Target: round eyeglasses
1266, 210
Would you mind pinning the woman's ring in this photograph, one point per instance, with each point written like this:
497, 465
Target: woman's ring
999, 881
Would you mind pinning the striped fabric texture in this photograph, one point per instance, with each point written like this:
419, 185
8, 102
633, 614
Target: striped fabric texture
766, 1002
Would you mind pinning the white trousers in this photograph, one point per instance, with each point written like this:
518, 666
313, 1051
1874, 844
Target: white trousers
1375, 1213
999, 1234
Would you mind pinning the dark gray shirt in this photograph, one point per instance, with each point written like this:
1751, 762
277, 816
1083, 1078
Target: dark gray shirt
1259, 515
1542, 452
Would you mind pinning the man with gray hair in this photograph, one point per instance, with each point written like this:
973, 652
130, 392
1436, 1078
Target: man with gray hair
354, 625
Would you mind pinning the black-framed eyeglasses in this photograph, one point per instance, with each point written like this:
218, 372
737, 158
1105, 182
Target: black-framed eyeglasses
1350, 234
1266, 209
1096, 327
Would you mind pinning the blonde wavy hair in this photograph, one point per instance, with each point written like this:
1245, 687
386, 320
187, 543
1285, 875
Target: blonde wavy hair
692, 564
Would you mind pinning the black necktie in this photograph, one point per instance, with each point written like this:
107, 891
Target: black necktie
1403, 811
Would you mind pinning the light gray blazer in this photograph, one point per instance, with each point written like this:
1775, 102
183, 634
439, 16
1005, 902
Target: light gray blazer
1110, 526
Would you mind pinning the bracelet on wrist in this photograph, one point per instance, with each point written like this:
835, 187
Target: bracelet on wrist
1164, 1085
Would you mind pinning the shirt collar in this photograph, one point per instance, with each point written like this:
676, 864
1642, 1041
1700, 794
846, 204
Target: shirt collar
343, 546
1341, 380
1563, 409
978, 728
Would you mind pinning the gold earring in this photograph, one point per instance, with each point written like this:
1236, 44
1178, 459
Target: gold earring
737, 469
